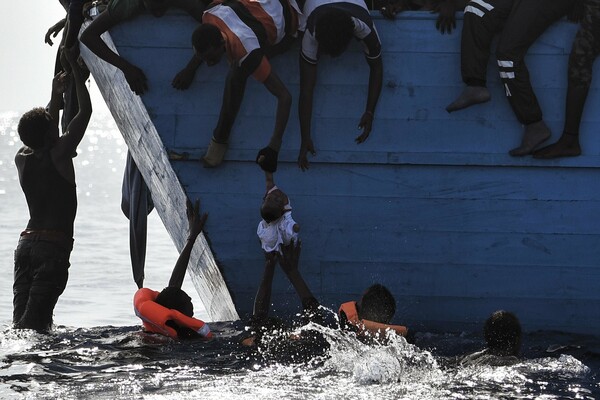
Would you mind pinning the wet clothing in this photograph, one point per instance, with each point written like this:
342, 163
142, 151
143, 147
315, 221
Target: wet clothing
364, 29
586, 46
42, 256
521, 22
40, 276
249, 27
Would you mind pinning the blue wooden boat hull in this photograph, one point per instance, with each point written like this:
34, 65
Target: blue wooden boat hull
431, 205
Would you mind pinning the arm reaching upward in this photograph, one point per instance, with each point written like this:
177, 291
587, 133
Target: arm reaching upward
196, 223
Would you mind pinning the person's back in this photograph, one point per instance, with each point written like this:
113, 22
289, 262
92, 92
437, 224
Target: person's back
51, 199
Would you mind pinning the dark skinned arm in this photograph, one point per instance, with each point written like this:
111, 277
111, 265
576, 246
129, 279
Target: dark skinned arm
262, 301
196, 223
267, 157
59, 83
308, 79
184, 78
375, 84
289, 264
91, 37
54, 30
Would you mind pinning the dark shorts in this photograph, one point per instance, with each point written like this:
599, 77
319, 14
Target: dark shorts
40, 276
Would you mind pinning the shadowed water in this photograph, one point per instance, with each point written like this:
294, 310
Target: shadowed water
124, 363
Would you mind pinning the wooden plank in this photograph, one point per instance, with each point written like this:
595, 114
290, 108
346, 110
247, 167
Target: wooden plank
168, 196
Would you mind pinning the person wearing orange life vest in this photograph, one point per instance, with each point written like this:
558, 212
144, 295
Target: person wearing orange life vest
372, 314
170, 312
248, 33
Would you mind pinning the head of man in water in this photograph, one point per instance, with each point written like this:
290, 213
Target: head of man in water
502, 333
377, 304
176, 299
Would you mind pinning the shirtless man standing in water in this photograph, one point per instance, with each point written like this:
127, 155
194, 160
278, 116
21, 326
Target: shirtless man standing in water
47, 177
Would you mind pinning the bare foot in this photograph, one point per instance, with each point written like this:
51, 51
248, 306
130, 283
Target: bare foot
566, 146
470, 96
534, 135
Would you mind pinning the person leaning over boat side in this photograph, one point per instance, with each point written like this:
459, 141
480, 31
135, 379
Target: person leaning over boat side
122, 10
170, 312
446, 9
248, 32
584, 51
328, 27
47, 177
502, 333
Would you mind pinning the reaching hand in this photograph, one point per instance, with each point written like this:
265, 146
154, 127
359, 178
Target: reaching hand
271, 257
195, 220
290, 257
54, 31
267, 159
183, 79
390, 10
366, 123
136, 79
59, 83
446, 19
305, 147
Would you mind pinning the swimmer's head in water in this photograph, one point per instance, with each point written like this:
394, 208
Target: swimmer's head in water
502, 332
176, 299
377, 304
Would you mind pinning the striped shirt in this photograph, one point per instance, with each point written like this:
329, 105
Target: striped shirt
364, 29
249, 26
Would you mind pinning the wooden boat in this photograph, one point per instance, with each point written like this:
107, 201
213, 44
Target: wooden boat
431, 205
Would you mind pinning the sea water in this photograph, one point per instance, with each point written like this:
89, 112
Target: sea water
97, 349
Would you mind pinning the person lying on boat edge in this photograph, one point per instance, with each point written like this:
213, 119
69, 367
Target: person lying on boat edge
248, 43
122, 10
170, 312
47, 178
329, 26
277, 227
502, 333
446, 10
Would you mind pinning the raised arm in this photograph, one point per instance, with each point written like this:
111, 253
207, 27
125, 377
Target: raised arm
284, 103
308, 78
196, 223
289, 263
262, 301
91, 37
67, 143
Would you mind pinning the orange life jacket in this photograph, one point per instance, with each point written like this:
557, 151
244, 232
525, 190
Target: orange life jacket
349, 308
155, 317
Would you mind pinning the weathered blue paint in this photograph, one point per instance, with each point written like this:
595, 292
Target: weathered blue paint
431, 205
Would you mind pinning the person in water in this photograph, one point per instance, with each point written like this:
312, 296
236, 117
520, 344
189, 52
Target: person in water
170, 312
502, 333
372, 314
584, 51
47, 177
277, 227
122, 10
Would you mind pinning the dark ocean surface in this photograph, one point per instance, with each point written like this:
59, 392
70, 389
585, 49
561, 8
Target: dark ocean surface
98, 351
